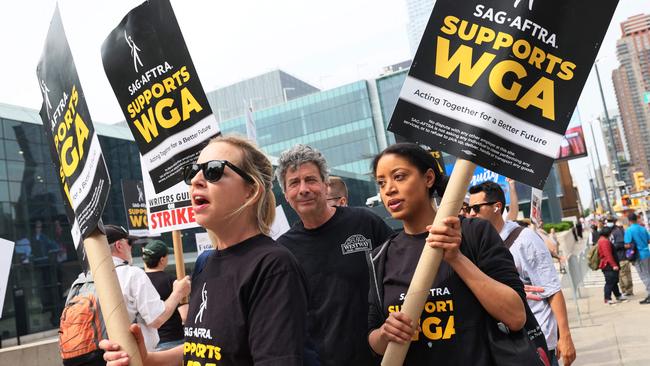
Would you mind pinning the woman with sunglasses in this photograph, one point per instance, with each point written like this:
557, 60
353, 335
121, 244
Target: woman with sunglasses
477, 279
248, 304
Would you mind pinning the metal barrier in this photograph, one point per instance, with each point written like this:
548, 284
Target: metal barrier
576, 270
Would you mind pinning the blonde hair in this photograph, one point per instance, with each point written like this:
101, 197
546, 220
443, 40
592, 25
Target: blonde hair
258, 166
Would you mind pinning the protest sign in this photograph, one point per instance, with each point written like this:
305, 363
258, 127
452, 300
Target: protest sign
169, 210
493, 83
152, 75
135, 206
85, 183
496, 82
6, 254
70, 134
203, 243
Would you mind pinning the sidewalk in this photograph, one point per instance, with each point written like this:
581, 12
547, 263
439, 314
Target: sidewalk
609, 335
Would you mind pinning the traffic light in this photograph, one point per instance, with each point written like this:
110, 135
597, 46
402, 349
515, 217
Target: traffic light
626, 201
639, 181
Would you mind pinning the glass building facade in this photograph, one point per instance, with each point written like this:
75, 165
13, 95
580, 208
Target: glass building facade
32, 215
262, 91
338, 122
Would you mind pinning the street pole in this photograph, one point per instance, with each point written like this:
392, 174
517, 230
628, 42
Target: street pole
593, 194
600, 168
609, 126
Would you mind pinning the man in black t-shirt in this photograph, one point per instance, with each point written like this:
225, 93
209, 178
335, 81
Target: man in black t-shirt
330, 245
154, 256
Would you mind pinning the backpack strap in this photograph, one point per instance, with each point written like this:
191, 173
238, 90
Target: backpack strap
514, 234
199, 264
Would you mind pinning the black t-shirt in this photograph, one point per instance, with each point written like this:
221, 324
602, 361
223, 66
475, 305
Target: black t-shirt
333, 258
172, 329
453, 323
617, 237
248, 306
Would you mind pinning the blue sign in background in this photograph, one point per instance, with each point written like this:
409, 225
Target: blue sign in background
481, 175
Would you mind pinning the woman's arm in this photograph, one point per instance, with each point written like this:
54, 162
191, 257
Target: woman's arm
498, 299
398, 328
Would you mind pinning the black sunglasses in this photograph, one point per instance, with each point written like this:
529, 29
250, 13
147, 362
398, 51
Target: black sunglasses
477, 207
212, 171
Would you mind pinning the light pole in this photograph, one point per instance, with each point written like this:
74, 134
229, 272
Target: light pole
617, 175
600, 168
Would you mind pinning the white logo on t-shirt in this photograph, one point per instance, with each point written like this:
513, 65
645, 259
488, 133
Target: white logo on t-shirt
204, 305
355, 243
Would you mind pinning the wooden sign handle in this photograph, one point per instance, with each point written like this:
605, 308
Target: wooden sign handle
110, 296
178, 257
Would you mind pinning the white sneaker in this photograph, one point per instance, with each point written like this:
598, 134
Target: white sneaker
611, 302
622, 298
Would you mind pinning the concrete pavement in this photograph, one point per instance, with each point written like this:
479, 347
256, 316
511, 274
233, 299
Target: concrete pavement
609, 335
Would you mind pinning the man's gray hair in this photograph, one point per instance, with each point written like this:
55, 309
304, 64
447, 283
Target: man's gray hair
296, 156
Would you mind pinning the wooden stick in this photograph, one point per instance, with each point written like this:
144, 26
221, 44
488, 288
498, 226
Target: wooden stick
427, 268
177, 241
110, 296
178, 254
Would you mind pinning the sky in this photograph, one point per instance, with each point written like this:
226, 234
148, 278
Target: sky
326, 43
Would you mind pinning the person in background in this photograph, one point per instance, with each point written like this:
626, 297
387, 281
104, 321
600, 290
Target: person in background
330, 243
143, 303
637, 238
337, 192
155, 258
593, 235
609, 266
535, 267
617, 237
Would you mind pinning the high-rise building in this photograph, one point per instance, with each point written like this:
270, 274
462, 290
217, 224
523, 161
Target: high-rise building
419, 12
631, 83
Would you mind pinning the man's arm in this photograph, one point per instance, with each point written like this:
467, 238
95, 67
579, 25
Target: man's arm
181, 289
513, 209
565, 348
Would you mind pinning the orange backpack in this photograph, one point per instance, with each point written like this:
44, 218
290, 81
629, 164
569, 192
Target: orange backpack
82, 326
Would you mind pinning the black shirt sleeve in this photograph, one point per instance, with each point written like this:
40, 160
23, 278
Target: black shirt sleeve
381, 231
278, 320
375, 316
491, 256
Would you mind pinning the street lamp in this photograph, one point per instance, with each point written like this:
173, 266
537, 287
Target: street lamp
600, 167
609, 126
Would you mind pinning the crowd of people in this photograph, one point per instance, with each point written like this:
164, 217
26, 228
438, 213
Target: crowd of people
330, 290
619, 248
